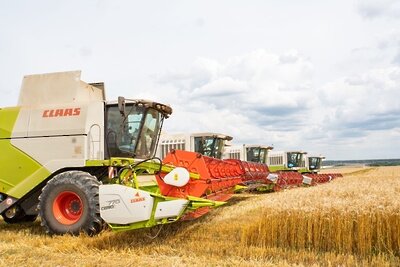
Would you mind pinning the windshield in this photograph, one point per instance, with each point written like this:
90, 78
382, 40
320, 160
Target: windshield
294, 159
209, 146
256, 154
133, 135
314, 163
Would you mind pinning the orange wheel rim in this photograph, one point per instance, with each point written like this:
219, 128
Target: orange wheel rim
67, 207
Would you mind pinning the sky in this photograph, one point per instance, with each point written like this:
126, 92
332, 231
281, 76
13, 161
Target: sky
317, 76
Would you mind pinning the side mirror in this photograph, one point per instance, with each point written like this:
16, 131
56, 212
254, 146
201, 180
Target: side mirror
121, 105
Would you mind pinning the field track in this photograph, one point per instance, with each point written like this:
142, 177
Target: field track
352, 221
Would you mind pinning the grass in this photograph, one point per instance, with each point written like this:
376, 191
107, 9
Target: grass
352, 221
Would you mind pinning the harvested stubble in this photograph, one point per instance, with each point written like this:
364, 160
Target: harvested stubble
356, 214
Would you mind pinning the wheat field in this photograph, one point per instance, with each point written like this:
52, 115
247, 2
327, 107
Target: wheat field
352, 221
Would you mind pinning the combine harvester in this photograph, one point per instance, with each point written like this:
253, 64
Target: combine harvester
313, 165
294, 168
288, 165
257, 154
287, 161
291, 168
208, 144
253, 153
79, 161
283, 166
212, 147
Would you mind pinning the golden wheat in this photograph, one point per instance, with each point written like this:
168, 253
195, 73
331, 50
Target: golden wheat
358, 214
300, 227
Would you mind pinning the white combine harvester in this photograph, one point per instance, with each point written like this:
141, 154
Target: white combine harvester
207, 144
253, 153
314, 163
287, 161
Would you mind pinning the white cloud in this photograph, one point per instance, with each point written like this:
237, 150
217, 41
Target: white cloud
314, 77
379, 8
260, 98
355, 111
224, 86
256, 97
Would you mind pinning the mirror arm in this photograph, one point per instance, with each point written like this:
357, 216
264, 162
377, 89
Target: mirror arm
121, 105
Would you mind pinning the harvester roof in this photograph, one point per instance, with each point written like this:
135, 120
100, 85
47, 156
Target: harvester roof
58, 88
289, 151
165, 109
222, 136
261, 146
315, 156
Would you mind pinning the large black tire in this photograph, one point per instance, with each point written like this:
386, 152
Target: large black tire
69, 203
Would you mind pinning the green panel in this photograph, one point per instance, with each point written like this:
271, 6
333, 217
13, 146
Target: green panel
266, 188
277, 168
283, 168
19, 173
8, 116
118, 162
29, 183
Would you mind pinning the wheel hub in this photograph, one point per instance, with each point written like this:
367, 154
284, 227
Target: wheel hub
75, 207
67, 207
10, 213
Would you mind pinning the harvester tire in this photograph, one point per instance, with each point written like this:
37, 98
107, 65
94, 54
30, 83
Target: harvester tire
69, 203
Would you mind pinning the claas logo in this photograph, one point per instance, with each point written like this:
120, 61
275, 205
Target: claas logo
62, 112
137, 198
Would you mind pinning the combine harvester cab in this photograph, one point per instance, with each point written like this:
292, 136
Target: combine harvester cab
254, 157
78, 161
208, 144
288, 165
313, 167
